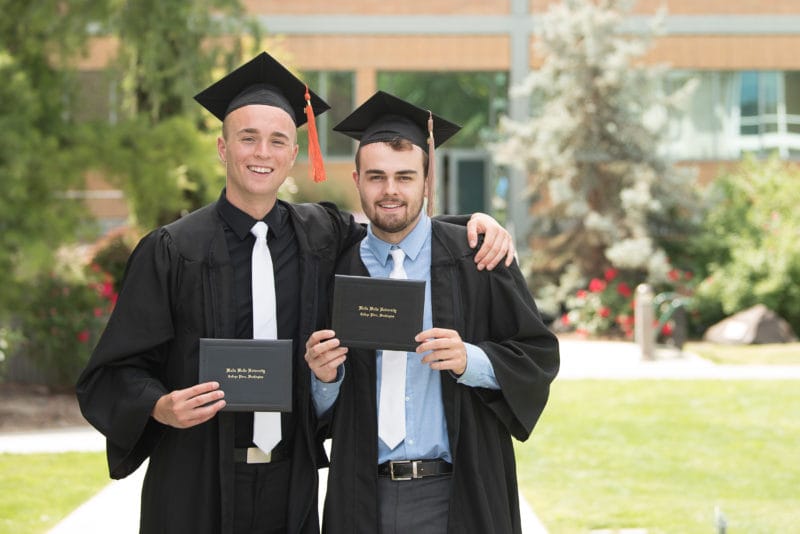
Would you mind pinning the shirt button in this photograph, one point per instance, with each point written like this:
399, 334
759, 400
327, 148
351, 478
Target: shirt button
408, 399
411, 442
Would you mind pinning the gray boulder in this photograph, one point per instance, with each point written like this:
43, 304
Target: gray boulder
754, 325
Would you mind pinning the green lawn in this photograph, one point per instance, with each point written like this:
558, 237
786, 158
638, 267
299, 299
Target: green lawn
768, 354
661, 455
41, 489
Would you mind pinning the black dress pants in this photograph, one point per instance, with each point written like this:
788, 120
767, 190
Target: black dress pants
261, 498
419, 506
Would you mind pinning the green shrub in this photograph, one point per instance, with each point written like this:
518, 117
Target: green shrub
751, 235
61, 320
112, 254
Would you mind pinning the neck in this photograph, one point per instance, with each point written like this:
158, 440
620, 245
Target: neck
394, 238
256, 207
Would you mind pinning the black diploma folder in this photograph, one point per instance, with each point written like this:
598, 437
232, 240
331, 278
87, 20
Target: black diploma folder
377, 313
255, 374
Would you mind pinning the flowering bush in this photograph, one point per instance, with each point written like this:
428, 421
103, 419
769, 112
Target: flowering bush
62, 320
606, 306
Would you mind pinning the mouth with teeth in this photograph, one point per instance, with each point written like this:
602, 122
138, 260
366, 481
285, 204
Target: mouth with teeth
391, 205
260, 170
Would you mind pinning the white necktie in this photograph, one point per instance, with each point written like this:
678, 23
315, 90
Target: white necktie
392, 403
266, 425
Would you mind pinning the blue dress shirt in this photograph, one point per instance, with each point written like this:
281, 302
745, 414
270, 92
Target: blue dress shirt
426, 427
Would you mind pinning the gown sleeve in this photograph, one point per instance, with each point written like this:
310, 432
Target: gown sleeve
123, 378
523, 352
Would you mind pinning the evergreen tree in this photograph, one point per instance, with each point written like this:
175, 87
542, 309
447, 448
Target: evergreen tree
603, 193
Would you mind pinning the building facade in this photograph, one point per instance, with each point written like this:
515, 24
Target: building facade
742, 52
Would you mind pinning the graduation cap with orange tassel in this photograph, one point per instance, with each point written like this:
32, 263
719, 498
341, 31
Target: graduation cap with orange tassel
384, 117
264, 81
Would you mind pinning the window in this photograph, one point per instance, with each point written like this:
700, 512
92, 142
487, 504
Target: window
472, 100
707, 127
769, 107
758, 102
337, 89
793, 102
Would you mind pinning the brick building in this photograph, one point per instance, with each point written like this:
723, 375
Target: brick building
743, 52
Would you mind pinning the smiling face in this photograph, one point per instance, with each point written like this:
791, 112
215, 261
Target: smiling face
391, 183
258, 147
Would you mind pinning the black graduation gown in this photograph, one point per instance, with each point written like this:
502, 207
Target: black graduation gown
495, 311
177, 289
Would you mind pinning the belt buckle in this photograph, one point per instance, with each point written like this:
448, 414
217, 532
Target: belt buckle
257, 456
403, 462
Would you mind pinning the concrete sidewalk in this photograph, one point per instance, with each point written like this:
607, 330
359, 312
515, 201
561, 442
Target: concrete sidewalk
116, 507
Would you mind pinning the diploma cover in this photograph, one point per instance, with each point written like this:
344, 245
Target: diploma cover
377, 313
255, 374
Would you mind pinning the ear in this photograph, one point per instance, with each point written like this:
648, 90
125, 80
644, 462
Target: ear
296, 150
221, 149
355, 178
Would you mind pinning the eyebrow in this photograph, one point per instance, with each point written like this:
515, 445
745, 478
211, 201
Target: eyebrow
381, 171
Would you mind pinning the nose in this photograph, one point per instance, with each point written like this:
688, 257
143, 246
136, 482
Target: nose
391, 185
262, 150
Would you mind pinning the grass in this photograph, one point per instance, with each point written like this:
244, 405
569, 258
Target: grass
767, 354
41, 489
661, 455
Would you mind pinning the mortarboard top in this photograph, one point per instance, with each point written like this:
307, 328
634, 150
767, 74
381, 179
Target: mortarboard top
262, 80
384, 117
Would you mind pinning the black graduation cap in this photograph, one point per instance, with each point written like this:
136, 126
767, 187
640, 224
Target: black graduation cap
262, 80
384, 117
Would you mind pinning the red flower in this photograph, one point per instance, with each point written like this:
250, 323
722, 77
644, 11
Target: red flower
688, 275
624, 290
625, 320
581, 294
83, 336
98, 312
597, 285
565, 319
604, 311
611, 273
674, 275
107, 290
666, 329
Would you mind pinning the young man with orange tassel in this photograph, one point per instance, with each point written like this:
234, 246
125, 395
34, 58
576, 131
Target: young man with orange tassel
210, 471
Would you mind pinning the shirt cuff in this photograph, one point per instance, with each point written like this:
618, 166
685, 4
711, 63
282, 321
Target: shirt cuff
479, 372
324, 394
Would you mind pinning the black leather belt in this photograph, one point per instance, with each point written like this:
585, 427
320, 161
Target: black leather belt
411, 469
254, 455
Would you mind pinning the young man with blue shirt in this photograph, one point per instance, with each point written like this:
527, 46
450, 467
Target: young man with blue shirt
480, 374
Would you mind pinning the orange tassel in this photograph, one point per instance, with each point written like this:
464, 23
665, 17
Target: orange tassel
314, 151
431, 165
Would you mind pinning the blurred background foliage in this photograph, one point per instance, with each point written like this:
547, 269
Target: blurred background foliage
156, 148
732, 247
